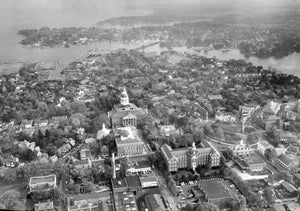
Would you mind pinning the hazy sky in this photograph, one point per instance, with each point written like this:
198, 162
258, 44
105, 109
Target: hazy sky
82, 12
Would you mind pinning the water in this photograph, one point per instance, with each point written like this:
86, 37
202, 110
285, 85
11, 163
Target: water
289, 64
21, 14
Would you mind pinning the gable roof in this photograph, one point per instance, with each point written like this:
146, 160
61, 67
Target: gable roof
166, 152
129, 116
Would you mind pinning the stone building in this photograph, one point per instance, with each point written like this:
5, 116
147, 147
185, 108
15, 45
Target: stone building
125, 113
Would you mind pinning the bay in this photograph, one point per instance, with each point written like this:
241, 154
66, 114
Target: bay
31, 14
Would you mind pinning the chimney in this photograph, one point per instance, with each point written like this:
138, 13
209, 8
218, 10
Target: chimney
113, 165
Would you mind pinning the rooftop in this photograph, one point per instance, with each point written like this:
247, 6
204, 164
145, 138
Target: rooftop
92, 195
252, 159
45, 206
127, 135
214, 189
120, 183
133, 181
42, 179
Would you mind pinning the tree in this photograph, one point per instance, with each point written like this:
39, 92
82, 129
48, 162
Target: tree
268, 194
233, 204
208, 130
9, 201
219, 133
10, 176
172, 187
242, 203
123, 167
206, 207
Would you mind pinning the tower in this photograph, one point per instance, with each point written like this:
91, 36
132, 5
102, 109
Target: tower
113, 165
124, 97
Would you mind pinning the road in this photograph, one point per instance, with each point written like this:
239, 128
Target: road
165, 191
9, 188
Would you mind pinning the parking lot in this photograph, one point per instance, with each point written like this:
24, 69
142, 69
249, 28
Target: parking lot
186, 194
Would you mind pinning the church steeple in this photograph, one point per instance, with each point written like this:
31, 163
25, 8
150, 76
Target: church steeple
124, 97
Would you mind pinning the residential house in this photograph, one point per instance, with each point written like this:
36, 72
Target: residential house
91, 201
168, 130
44, 206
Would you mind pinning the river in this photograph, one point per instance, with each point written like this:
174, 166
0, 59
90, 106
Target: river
289, 64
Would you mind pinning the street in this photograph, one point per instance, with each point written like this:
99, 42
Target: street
173, 201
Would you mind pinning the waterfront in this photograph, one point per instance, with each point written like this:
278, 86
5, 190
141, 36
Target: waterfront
289, 64
16, 15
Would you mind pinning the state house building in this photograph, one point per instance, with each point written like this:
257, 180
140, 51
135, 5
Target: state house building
125, 114
190, 157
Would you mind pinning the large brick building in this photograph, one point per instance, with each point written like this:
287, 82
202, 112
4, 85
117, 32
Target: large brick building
190, 157
125, 113
128, 141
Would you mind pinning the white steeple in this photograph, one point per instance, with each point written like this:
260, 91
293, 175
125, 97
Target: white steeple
193, 145
124, 97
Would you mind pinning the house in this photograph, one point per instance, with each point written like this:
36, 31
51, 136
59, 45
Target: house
168, 130
270, 121
214, 97
26, 124
247, 111
263, 145
44, 206
203, 113
85, 154
225, 117
272, 108
283, 137
91, 201
64, 149
83, 164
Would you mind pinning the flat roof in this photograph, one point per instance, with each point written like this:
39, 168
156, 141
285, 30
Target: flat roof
141, 164
148, 179
42, 179
214, 189
92, 195
133, 181
252, 159
119, 183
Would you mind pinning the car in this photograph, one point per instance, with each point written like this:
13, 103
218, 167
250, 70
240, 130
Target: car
165, 186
